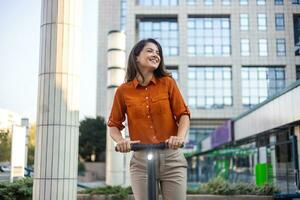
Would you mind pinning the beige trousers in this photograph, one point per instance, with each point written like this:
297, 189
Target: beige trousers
171, 174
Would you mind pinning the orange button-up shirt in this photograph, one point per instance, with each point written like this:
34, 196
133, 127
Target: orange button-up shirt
153, 111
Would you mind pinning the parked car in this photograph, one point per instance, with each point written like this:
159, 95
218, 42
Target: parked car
5, 168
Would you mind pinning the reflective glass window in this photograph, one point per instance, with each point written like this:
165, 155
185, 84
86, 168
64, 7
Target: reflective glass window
164, 30
209, 87
258, 83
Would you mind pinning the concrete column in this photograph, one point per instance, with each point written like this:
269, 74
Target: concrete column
55, 169
116, 163
25, 122
273, 156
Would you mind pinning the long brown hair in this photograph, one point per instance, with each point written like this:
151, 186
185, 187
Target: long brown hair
132, 66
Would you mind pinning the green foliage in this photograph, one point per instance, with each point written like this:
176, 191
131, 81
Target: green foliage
18, 190
5, 145
92, 138
219, 186
116, 192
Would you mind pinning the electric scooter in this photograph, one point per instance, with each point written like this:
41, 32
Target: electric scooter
150, 164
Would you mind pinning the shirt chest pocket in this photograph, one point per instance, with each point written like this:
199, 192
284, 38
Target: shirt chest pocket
160, 104
135, 111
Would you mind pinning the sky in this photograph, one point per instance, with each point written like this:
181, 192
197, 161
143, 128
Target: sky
19, 57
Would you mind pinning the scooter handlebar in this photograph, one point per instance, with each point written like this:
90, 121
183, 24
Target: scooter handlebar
138, 146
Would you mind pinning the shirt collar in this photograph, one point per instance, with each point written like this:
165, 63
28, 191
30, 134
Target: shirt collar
136, 83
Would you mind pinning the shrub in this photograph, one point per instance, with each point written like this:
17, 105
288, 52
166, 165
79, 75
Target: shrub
18, 190
219, 186
117, 192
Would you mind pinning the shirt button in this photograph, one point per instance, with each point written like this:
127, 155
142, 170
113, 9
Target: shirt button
146, 88
147, 97
147, 106
148, 116
151, 126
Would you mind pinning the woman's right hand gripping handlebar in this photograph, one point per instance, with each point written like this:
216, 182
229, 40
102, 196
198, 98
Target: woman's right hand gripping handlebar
124, 145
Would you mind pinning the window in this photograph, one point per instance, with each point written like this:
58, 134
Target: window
226, 2
261, 2
278, 2
191, 2
262, 21
244, 22
243, 2
258, 83
164, 30
262, 47
209, 87
174, 72
197, 135
208, 2
298, 72
279, 21
280, 47
158, 2
245, 49
123, 14
296, 19
209, 36
296, 2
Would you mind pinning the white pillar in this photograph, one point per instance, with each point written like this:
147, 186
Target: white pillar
55, 165
25, 122
116, 163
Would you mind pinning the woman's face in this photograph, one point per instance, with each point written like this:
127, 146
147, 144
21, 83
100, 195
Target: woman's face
149, 58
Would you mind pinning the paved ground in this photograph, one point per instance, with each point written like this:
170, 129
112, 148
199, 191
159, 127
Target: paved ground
4, 176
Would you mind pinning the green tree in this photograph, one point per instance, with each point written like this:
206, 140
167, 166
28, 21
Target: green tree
92, 138
31, 144
5, 145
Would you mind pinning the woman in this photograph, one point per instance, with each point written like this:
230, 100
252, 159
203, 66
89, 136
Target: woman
156, 113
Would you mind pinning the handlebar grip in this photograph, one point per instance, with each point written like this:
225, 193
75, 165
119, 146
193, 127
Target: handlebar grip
138, 146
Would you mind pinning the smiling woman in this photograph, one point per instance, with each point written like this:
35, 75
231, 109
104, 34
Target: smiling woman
156, 113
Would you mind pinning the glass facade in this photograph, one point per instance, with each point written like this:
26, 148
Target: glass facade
209, 36
123, 14
244, 21
174, 71
190, 2
208, 2
261, 2
262, 47
245, 47
262, 21
209, 87
197, 135
164, 30
243, 2
279, 21
296, 1
278, 2
258, 83
226, 2
297, 34
158, 2
280, 47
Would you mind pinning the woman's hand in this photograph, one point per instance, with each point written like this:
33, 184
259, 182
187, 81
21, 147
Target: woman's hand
123, 145
175, 142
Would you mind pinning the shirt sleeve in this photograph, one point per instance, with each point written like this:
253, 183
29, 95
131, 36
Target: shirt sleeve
117, 115
178, 105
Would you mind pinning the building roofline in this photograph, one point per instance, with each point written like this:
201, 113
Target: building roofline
257, 106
